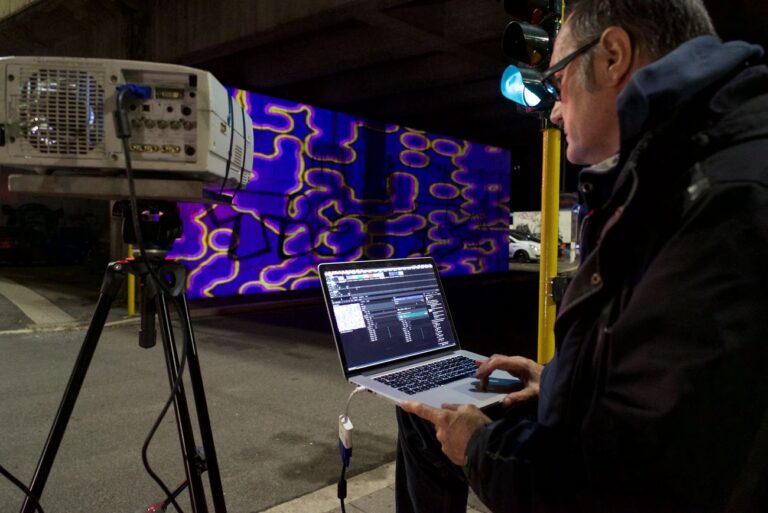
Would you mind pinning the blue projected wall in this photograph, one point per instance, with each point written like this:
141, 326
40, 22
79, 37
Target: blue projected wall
328, 186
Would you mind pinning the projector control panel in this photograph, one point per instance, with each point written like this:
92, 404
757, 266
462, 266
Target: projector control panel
164, 126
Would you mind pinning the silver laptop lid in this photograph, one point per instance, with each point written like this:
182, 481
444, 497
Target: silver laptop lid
386, 311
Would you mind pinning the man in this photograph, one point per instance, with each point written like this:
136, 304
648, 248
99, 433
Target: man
657, 397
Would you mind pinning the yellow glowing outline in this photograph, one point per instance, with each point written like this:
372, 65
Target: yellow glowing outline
257, 217
198, 219
213, 234
436, 241
286, 278
200, 267
216, 283
456, 190
410, 132
460, 149
334, 204
289, 236
281, 112
323, 237
472, 268
270, 224
403, 162
242, 98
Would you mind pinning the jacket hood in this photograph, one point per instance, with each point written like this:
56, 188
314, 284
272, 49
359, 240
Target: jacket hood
676, 78
665, 85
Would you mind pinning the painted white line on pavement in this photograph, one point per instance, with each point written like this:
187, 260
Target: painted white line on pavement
36, 307
325, 499
67, 327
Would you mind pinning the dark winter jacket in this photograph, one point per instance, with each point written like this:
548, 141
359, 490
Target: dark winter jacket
657, 397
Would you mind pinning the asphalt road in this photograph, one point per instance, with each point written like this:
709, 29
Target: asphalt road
272, 379
274, 390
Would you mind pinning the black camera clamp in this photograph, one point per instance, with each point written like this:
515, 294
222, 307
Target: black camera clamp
160, 224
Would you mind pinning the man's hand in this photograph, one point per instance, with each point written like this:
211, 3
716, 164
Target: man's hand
527, 370
454, 424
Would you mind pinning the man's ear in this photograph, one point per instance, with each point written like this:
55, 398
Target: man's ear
616, 62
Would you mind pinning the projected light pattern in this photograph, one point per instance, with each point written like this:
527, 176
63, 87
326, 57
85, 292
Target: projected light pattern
328, 186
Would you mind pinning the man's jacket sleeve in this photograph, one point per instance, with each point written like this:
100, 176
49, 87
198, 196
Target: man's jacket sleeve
512, 465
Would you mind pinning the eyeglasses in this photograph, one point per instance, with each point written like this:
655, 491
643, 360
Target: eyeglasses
536, 89
551, 84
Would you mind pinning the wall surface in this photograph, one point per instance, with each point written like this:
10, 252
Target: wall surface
328, 186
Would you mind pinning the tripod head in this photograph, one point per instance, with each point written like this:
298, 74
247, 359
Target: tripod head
159, 222
160, 225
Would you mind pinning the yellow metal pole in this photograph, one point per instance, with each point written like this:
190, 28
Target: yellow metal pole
131, 285
550, 211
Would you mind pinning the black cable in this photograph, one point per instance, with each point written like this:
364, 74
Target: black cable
156, 425
341, 488
21, 486
124, 133
242, 166
231, 124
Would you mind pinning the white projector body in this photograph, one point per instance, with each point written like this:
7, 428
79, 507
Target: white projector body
57, 113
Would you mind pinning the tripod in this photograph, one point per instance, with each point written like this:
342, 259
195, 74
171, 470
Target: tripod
160, 225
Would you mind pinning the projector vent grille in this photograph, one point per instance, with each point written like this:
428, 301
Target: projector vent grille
237, 156
61, 111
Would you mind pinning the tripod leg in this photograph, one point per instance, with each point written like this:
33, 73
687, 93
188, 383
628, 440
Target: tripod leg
113, 279
192, 465
147, 336
196, 379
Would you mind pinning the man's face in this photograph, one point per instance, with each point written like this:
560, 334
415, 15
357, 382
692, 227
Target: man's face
587, 116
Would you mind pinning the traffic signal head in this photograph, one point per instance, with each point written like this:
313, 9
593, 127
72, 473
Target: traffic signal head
525, 87
528, 41
536, 89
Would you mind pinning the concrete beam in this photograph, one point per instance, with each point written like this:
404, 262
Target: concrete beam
10, 7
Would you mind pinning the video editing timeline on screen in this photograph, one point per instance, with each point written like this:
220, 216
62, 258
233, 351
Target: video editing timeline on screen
386, 313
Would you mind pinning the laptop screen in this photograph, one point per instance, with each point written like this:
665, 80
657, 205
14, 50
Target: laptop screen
384, 311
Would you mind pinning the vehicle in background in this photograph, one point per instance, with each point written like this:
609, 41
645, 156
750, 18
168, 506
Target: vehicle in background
523, 247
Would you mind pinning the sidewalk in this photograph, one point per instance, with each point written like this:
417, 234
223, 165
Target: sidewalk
44, 298
371, 492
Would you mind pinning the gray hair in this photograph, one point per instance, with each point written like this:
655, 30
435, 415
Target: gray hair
655, 27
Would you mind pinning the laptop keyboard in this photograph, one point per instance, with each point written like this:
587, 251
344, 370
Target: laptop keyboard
419, 379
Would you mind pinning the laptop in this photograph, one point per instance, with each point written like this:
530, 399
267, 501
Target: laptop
395, 337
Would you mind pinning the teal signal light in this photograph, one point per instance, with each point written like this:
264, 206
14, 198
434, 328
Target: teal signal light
524, 86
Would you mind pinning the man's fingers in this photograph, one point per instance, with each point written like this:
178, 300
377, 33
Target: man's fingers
422, 410
521, 396
485, 368
516, 365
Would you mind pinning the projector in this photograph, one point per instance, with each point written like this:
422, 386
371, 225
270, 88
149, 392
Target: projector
57, 116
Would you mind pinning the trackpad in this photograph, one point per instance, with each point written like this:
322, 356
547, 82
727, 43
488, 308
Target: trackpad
501, 385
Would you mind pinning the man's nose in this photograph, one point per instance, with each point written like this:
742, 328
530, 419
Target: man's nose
556, 116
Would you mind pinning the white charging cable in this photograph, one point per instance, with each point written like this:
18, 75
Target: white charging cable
345, 447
